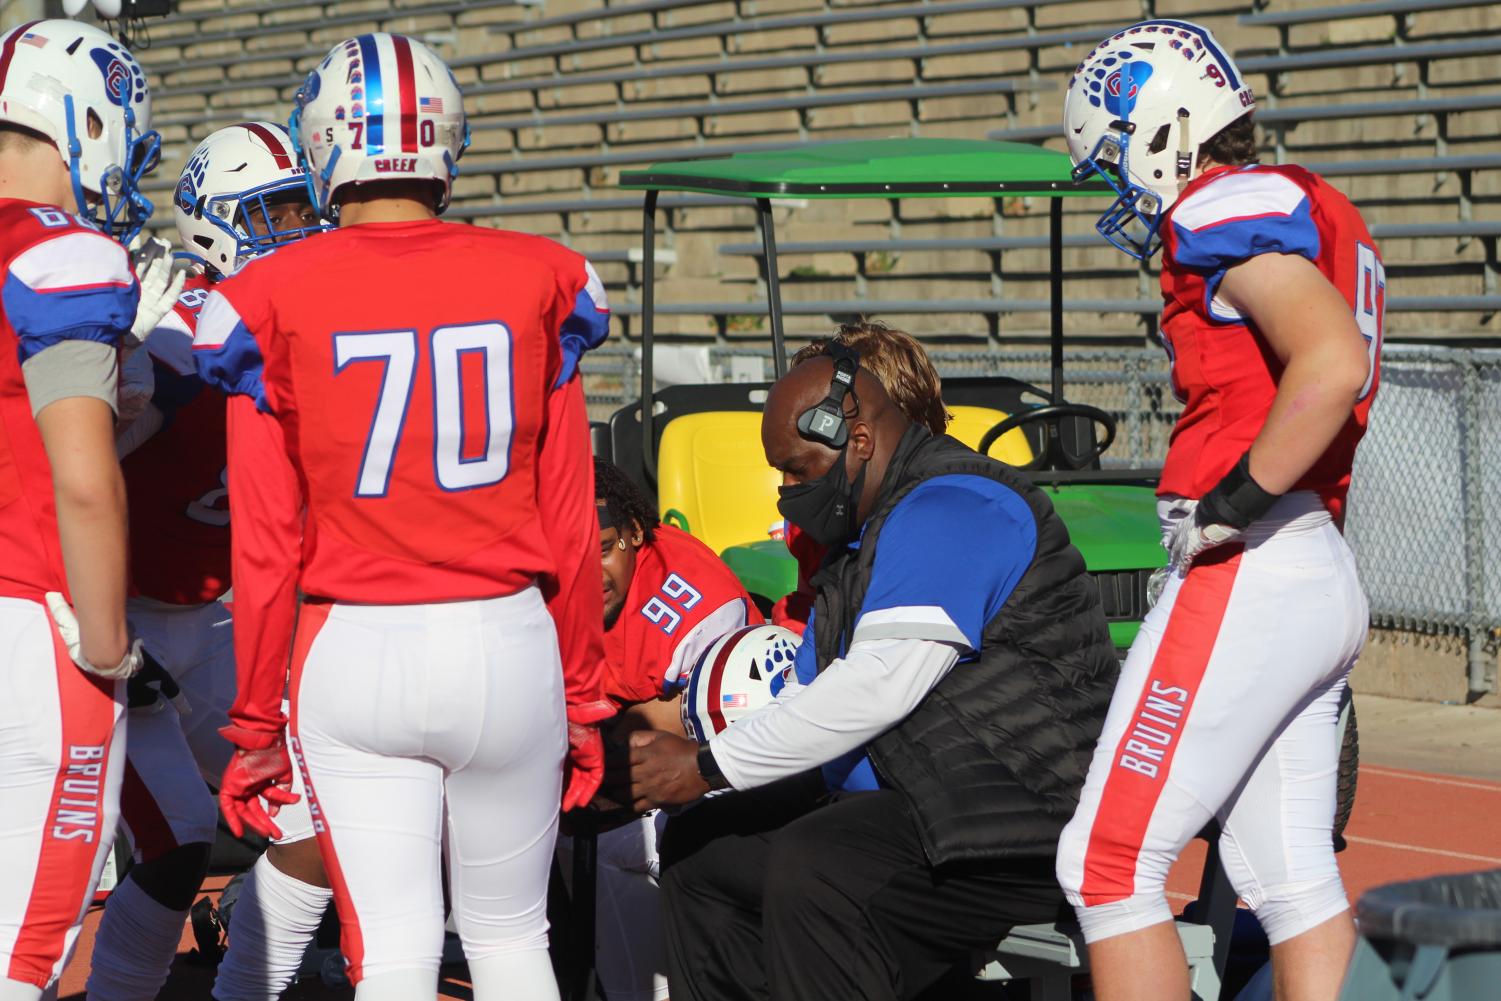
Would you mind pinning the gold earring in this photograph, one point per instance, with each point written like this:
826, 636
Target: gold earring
620, 543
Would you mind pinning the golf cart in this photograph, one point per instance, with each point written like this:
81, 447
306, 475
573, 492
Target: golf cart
700, 454
700, 451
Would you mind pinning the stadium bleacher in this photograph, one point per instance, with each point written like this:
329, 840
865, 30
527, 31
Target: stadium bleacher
1394, 99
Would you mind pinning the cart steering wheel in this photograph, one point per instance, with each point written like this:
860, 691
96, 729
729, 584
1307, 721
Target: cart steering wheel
1053, 454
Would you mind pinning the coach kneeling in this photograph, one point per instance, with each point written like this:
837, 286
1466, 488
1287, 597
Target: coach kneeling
951, 685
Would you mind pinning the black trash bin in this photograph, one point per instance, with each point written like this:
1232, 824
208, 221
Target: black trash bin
1433, 939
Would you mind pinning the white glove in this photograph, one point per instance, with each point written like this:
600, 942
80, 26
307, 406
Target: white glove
1190, 539
67, 628
135, 388
160, 287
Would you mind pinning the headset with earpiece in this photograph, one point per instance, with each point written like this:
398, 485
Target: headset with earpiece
826, 423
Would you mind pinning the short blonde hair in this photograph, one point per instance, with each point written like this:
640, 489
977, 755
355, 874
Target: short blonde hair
899, 362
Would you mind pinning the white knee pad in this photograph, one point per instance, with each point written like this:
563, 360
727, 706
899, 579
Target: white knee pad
1290, 909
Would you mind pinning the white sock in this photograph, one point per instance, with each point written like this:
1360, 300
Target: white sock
133, 951
525, 976
269, 931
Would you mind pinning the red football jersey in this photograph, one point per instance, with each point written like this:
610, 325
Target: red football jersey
179, 504
398, 434
682, 598
62, 282
1223, 371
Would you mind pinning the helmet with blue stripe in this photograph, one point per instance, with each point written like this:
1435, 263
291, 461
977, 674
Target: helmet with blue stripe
86, 93
741, 672
1138, 109
379, 107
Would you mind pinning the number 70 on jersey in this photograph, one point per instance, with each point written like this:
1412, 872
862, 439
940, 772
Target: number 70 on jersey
397, 351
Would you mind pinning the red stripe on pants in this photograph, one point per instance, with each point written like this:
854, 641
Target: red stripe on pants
149, 828
1138, 773
73, 829
351, 940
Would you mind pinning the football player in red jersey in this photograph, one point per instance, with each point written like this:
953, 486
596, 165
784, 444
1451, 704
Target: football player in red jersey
667, 598
74, 138
240, 195
1228, 703
413, 529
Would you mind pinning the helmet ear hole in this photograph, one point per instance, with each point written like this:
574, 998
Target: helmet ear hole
203, 241
94, 124
1159, 140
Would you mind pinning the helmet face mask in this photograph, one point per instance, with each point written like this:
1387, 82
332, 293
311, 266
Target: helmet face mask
1139, 108
1132, 220
84, 92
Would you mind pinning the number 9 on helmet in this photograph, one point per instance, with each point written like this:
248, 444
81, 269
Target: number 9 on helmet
739, 674
379, 107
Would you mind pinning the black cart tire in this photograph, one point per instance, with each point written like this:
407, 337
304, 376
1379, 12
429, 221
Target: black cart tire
1349, 770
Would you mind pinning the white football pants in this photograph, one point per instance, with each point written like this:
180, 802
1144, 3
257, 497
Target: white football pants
630, 951
429, 728
172, 759
1227, 708
62, 737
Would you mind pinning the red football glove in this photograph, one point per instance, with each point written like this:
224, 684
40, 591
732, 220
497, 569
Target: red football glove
585, 767
260, 769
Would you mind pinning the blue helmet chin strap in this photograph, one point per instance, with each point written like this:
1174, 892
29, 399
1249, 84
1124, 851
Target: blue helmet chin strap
127, 201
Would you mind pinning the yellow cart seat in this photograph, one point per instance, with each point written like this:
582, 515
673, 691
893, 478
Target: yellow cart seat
712, 470
970, 424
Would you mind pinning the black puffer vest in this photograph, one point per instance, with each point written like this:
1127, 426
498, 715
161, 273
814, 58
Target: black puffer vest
992, 760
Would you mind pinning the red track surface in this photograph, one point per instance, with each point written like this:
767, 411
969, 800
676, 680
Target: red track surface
1406, 825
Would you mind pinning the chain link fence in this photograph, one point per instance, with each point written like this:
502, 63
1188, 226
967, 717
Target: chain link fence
1424, 510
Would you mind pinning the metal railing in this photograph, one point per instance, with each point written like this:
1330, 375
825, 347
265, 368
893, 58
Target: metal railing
1425, 506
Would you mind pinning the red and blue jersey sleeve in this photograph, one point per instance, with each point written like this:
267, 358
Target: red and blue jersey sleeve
1238, 216
588, 324
225, 350
74, 285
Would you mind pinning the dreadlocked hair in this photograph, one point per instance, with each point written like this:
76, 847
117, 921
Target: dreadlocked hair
898, 362
626, 503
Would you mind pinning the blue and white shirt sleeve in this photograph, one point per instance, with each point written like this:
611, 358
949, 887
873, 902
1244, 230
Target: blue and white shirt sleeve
948, 558
586, 326
226, 353
74, 291
1235, 218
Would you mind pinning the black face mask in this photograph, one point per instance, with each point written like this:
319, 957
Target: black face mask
825, 508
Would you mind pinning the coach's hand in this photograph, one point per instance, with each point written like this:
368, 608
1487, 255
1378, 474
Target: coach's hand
260, 769
664, 770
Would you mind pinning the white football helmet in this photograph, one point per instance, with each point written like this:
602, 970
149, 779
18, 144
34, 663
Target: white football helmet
380, 107
1138, 108
224, 198
739, 674
81, 89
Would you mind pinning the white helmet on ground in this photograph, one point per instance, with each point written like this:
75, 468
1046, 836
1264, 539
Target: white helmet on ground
1138, 108
735, 676
223, 200
81, 89
380, 107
